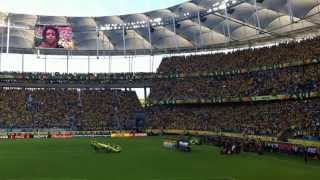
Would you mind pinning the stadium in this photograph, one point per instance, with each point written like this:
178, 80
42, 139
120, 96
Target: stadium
191, 90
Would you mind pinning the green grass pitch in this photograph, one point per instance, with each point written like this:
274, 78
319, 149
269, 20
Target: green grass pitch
142, 159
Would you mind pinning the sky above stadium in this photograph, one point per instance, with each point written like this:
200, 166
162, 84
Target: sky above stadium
84, 7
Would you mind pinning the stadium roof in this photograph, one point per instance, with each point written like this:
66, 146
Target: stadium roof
191, 25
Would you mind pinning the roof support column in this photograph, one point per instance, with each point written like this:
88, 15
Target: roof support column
22, 63
97, 41
150, 38
88, 64
225, 33
67, 62
175, 32
110, 63
8, 35
2, 39
145, 96
151, 63
257, 16
124, 40
130, 63
227, 21
290, 10
200, 30
45, 63
133, 63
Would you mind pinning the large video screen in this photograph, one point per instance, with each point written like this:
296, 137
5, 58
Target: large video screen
53, 37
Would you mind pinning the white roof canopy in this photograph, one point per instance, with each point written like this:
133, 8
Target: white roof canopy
250, 19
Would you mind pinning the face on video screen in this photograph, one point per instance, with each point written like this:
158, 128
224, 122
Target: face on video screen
54, 37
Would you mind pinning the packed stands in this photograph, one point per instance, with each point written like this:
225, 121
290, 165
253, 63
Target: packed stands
302, 118
243, 59
290, 72
183, 101
91, 109
290, 80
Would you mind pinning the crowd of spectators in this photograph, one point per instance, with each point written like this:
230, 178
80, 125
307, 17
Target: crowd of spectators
243, 59
75, 109
291, 80
75, 78
295, 118
100, 109
300, 118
